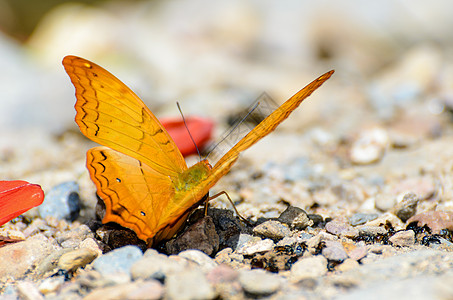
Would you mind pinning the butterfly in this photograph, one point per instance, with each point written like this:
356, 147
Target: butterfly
139, 172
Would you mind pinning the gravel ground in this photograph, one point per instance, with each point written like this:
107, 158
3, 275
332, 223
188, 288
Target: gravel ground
350, 198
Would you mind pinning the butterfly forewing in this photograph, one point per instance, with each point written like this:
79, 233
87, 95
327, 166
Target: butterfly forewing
271, 122
109, 113
241, 124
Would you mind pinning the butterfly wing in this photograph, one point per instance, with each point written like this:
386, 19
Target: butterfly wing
110, 114
134, 194
267, 125
136, 178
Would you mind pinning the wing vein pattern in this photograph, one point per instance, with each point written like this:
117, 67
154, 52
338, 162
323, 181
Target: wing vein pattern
109, 113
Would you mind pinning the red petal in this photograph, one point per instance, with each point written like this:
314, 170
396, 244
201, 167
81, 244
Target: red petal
16, 197
200, 129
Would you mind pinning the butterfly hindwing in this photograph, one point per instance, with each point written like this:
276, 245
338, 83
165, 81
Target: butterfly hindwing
135, 195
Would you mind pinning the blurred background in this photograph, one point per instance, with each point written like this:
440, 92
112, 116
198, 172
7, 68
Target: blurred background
392, 59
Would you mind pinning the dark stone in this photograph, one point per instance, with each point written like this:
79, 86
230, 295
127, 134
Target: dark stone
200, 235
407, 207
115, 236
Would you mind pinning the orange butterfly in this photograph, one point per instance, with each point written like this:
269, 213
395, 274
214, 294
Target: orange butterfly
142, 176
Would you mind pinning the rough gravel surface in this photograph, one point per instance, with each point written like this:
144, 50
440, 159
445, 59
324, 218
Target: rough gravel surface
351, 198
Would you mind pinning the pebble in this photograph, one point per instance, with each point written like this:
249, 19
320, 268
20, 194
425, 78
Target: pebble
351, 233
256, 246
245, 238
361, 218
62, 202
7, 235
325, 197
92, 279
309, 267
334, 251
402, 265
115, 237
287, 241
297, 169
435, 220
150, 289
28, 291
121, 291
259, 282
316, 219
347, 264
387, 218
403, 238
355, 251
414, 288
407, 207
202, 259
150, 252
49, 264
295, 217
9, 292
70, 244
272, 229
156, 266
72, 260
337, 227
117, 261
51, 284
385, 201
17, 259
223, 256
371, 230
423, 186
181, 286
228, 227
200, 235
91, 244
78, 234
69, 291
314, 242
443, 245
37, 226
370, 146
222, 274
225, 280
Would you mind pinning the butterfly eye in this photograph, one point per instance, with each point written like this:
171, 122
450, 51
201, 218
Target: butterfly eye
143, 213
118, 180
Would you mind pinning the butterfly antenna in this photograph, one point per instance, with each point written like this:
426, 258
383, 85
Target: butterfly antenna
188, 131
234, 128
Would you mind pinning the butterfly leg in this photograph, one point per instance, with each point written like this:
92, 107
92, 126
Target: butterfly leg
231, 201
206, 204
